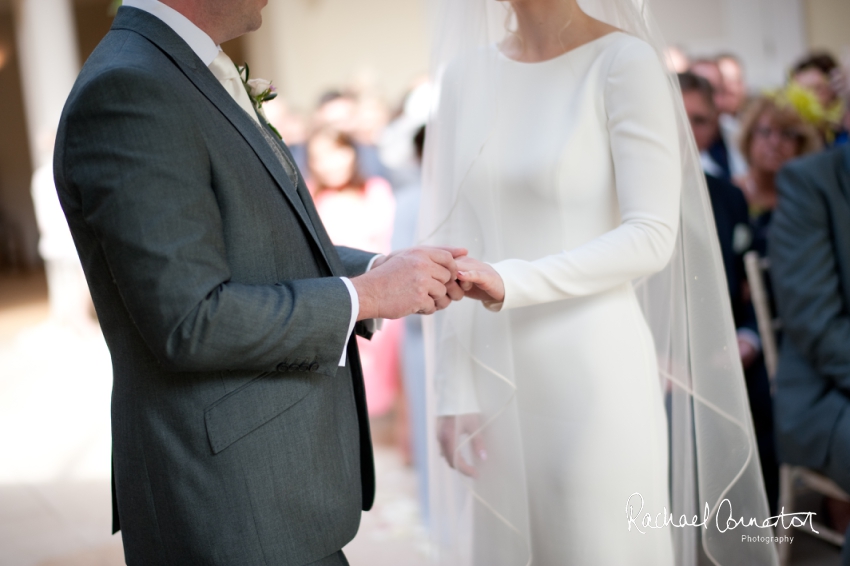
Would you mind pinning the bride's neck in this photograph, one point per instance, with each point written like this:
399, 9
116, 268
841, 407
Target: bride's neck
546, 28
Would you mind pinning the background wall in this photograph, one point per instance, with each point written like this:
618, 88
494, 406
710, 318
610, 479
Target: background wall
17, 219
828, 26
309, 46
768, 35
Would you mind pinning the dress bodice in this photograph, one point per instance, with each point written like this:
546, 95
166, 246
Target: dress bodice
580, 171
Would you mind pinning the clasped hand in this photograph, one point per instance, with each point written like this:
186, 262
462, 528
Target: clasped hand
423, 280
420, 280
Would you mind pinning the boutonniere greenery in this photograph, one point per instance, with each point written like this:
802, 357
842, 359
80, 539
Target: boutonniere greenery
259, 91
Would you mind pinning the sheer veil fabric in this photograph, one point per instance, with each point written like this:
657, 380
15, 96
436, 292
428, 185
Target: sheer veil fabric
713, 457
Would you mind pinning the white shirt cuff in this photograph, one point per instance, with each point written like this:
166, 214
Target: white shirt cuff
355, 310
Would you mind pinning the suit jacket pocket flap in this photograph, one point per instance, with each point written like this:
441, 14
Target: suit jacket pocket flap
244, 410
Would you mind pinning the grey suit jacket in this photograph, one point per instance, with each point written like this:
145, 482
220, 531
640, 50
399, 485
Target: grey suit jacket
810, 268
237, 439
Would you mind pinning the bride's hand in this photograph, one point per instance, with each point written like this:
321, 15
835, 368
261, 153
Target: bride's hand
480, 281
450, 431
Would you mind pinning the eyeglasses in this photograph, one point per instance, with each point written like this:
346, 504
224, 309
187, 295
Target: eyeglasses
784, 134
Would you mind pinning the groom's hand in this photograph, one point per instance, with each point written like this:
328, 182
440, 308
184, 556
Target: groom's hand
417, 280
453, 288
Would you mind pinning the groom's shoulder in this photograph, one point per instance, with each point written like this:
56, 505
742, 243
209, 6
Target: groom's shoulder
126, 53
138, 47
136, 40
124, 64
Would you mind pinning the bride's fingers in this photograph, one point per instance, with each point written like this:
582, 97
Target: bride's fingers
469, 276
475, 278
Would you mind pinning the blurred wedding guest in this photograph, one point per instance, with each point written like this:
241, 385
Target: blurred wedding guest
396, 151
290, 124
818, 74
710, 71
772, 134
339, 110
732, 104
70, 301
677, 59
413, 346
370, 119
732, 220
722, 157
810, 262
358, 212
814, 73
735, 93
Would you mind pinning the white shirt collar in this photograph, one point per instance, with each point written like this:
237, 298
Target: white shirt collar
202, 44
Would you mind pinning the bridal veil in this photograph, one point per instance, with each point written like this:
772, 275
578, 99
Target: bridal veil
713, 456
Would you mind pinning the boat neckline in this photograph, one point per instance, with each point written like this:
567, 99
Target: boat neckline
562, 55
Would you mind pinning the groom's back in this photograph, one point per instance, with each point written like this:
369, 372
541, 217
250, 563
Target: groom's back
222, 454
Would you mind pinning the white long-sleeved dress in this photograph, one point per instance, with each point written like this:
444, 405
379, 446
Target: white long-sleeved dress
587, 153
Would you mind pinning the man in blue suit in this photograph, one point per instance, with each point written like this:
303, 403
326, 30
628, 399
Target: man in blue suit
810, 259
734, 233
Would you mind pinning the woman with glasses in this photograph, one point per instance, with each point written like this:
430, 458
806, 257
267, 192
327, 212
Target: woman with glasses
772, 134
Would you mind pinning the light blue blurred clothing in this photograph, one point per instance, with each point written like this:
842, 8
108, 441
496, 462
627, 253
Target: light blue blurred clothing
413, 346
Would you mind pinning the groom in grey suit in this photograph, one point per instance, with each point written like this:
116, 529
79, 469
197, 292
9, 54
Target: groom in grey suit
240, 431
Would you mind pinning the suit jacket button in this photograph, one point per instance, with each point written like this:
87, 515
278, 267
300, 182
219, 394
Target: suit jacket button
304, 366
314, 366
282, 367
293, 367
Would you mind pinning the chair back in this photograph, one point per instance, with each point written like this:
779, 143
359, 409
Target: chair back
756, 268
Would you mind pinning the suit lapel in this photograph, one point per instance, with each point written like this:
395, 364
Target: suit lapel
178, 51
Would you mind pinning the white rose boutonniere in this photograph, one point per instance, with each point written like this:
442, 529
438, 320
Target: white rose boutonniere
259, 91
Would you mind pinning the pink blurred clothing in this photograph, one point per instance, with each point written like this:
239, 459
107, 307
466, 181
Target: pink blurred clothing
364, 220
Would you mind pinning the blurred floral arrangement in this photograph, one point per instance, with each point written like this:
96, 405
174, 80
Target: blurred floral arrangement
827, 120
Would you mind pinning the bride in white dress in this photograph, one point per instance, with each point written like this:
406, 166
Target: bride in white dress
556, 156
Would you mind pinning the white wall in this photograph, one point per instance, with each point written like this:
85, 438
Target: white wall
49, 63
308, 46
828, 26
768, 35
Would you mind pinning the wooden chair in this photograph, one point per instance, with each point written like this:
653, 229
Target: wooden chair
792, 479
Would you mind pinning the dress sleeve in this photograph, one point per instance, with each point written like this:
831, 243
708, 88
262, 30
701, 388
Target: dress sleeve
644, 146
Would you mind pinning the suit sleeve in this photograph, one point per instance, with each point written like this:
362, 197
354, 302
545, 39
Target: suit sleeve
143, 179
645, 152
354, 261
805, 277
